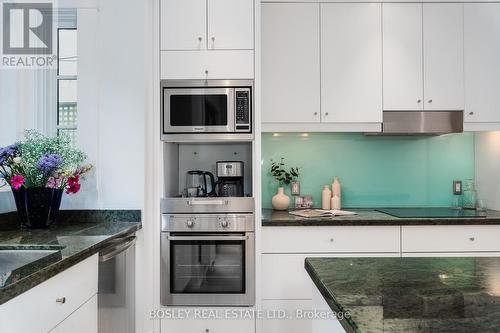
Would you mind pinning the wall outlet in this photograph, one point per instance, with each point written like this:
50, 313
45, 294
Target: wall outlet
457, 187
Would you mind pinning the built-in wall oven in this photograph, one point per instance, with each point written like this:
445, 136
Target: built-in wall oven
208, 259
216, 107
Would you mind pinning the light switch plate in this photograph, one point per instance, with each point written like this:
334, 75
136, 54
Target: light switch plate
457, 187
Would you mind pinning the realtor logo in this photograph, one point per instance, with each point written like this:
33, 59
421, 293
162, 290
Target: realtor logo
27, 29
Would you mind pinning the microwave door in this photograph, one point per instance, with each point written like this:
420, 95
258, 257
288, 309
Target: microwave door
204, 110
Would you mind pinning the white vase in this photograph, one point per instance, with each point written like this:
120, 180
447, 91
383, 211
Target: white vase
280, 201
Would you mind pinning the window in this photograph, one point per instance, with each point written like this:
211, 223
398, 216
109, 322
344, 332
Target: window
67, 68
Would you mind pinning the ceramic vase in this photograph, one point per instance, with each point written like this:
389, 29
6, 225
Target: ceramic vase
280, 201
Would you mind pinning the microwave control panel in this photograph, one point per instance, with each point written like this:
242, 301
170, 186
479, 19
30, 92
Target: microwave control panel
243, 110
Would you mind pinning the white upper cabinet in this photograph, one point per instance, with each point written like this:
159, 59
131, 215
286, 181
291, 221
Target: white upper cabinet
423, 56
482, 62
402, 47
290, 63
443, 56
230, 24
351, 62
207, 24
183, 24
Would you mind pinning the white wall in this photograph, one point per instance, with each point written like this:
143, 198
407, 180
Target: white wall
111, 105
488, 168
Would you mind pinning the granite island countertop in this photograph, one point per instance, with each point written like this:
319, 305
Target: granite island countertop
272, 218
77, 236
411, 294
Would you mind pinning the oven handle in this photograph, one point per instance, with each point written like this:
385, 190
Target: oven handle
207, 202
206, 238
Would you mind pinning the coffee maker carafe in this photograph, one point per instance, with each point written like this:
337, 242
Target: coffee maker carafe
200, 184
230, 178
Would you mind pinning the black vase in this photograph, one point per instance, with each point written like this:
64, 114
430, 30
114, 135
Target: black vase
38, 207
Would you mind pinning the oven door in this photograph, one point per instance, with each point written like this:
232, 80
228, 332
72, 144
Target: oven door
205, 269
205, 110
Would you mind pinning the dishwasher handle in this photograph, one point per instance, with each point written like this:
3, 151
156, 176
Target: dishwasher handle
112, 252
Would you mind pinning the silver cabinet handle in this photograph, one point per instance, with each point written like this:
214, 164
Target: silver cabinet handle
472, 239
61, 300
200, 39
326, 113
430, 101
419, 101
331, 240
114, 251
471, 113
213, 42
206, 238
315, 113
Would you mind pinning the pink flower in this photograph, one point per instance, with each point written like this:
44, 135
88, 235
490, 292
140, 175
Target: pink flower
16, 181
73, 185
53, 182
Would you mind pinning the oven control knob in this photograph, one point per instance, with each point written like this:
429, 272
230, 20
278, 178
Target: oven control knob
224, 223
190, 223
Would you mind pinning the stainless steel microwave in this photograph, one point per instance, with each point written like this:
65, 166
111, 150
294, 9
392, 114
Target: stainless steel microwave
209, 107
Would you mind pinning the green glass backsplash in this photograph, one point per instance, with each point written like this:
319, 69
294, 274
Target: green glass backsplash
375, 171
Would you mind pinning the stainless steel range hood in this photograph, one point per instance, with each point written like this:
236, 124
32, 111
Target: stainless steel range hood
422, 122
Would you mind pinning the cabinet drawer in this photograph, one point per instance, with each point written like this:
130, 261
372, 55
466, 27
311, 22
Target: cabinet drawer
36, 310
292, 324
212, 320
330, 239
284, 275
236, 64
453, 238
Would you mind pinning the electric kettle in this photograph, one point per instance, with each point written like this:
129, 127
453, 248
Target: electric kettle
200, 184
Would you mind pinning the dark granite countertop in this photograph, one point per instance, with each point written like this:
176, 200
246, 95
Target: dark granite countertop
411, 294
77, 236
272, 218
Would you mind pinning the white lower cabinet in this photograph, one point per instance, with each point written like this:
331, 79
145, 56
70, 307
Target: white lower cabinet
67, 294
331, 239
287, 289
207, 320
83, 320
329, 325
286, 286
275, 309
450, 238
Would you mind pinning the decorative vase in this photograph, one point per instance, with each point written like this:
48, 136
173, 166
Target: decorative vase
38, 207
280, 201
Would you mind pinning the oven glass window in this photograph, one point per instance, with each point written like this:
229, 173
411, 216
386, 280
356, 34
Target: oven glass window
198, 110
207, 267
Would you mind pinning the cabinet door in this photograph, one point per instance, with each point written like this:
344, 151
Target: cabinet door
230, 24
482, 62
183, 24
83, 320
443, 56
290, 63
292, 324
402, 48
207, 320
224, 64
351, 63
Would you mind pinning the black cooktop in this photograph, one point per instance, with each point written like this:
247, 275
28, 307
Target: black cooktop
432, 212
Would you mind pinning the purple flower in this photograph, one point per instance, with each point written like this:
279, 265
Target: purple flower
6, 152
48, 163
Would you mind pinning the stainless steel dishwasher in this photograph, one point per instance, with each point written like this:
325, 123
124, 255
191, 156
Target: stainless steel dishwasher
116, 290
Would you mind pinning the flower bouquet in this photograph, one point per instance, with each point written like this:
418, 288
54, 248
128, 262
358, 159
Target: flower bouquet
38, 170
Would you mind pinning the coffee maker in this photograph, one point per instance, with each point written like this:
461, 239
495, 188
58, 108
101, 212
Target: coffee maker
229, 178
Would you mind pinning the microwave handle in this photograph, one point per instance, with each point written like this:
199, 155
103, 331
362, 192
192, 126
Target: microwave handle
207, 238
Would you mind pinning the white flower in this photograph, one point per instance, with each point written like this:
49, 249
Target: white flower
17, 160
